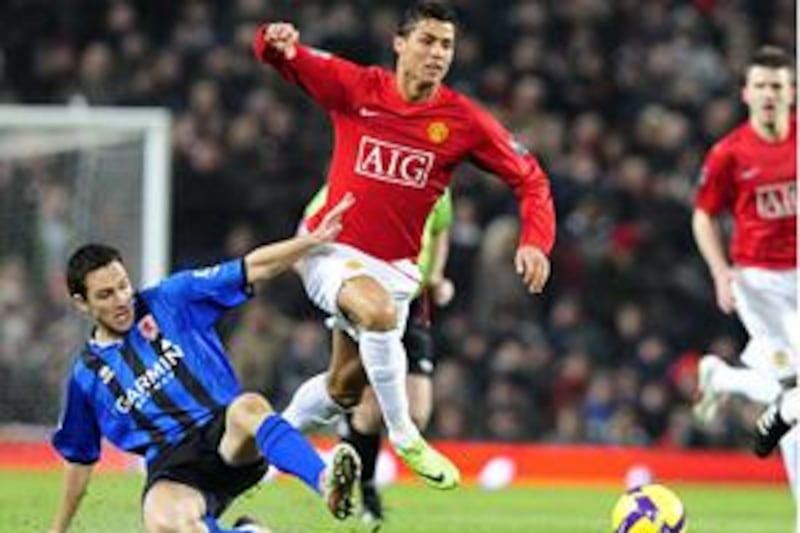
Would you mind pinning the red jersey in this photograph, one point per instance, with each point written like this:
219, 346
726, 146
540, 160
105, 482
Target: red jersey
757, 182
398, 157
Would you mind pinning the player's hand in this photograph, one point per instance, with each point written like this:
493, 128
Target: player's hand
534, 267
442, 291
331, 223
283, 37
723, 286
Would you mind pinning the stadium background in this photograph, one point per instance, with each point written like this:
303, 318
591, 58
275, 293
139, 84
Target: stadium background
619, 100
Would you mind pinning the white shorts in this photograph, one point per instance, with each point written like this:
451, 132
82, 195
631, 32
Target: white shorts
766, 302
325, 270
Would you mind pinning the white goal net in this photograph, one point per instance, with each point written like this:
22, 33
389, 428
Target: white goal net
69, 176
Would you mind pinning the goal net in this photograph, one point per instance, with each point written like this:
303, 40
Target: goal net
69, 176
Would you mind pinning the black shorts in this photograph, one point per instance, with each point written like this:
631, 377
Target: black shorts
196, 462
418, 340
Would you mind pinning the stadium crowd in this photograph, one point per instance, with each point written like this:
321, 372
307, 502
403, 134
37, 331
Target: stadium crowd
619, 100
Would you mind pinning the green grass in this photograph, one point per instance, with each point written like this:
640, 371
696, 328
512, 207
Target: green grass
27, 501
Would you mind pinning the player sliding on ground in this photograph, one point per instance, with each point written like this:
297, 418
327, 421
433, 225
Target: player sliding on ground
398, 138
154, 380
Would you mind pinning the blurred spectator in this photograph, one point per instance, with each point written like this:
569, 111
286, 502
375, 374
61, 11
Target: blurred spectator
256, 345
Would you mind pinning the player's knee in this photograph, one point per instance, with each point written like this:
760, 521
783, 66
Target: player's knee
345, 389
346, 382
176, 519
160, 524
379, 316
368, 304
247, 406
253, 403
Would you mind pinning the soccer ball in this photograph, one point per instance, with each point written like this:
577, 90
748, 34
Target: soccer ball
649, 509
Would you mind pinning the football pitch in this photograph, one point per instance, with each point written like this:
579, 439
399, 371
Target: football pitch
27, 501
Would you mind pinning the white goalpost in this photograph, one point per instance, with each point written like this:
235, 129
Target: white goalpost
88, 135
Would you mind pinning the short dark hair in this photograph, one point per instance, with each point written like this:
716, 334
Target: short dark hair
86, 259
771, 57
425, 10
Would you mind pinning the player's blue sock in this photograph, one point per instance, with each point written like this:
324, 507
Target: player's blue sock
283, 446
214, 527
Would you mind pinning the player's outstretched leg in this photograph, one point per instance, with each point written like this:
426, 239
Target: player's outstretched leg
250, 421
385, 363
339, 480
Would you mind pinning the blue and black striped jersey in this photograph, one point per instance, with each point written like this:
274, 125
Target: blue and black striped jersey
169, 374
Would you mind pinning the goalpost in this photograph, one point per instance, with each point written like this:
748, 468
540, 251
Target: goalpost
70, 175
110, 150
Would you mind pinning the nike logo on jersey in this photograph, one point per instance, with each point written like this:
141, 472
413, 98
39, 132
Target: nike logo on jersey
750, 173
366, 112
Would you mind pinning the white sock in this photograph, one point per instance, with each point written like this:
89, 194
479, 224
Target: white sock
751, 383
790, 406
384, 360
311, 406
791, 456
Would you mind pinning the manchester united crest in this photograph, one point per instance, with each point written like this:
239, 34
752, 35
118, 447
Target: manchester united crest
438, 132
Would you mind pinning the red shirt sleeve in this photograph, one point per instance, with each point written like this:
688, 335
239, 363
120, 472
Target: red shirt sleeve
714, 186
500, 154
328, 79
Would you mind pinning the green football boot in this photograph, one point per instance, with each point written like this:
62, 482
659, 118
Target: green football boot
436, 469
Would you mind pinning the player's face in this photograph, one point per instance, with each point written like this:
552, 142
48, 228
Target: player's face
768, 93
109, 299
426, 52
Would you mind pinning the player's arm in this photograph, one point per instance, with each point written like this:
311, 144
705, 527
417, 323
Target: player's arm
498, 152
328, 79
77, 440
76, 480
268, 261
709, 238
441, 287
712, 197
